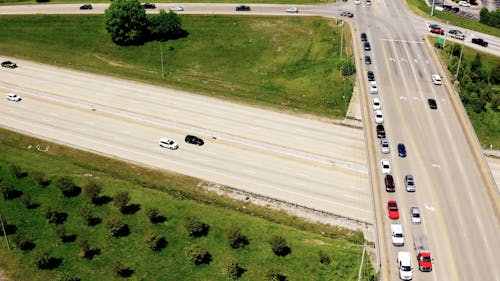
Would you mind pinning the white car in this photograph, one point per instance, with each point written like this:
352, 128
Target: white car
386, 167
379, 118
357, 2
415, 215
384, 146
376, 104
177, 9
436, 79
398, 238
13, 97
292, 10
373, 87
168, 143
464, 3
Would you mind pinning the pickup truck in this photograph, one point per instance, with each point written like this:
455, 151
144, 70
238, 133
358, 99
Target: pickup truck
423, 254
480, 41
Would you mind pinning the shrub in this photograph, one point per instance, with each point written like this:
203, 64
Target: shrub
92, 191
66, 277
40, 179
197, 228
274, 274
154, 215
67, 186
323, 257
26, 200
23, 243
165, 26
44, 261
85, 213
8, 190
86, 251
120, 270
155, 241
279, 246
117, 228
120, 200
236, 238
53, 216
198, 255
17, 170
347, 67
235, 270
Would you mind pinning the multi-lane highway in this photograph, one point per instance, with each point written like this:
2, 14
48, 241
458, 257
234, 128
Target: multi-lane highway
457, 198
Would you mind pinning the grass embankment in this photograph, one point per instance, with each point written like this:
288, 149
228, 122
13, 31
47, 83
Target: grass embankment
177, 198
479, 89
284, 62
420, 8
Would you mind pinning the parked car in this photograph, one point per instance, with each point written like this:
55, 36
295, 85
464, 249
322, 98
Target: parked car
436, 79
244, 8
437, 31
464, 3
410, 183
379, 118
386, 167
376, 104
457, 34
389, 183
347, 14
380, 131
13, 97
8, 64
434, 26
168, 143
364, 37
480, 41
401, 150
392, 209
368, 60
455, 10
384, 146
367, 46
149, 6
86, 7
194, 140
292, 10
415, 215
432, 103
177, 9
373, 87
370, 75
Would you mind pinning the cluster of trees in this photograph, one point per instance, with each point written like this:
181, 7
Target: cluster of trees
490, 18
128, 24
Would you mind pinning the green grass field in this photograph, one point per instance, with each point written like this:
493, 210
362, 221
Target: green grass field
178, 198
282, 62
291, 2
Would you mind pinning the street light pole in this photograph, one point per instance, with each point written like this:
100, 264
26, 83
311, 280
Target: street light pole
447, 28
341, 37
161, 56
460, 59
432, 10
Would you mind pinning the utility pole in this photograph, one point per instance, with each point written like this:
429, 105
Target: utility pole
447, 28
161, 56
432, 10
341, 37
460, 59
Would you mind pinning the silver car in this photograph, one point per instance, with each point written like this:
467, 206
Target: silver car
384, 146
410, 183
415, 215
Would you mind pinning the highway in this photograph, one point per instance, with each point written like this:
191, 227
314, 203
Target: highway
457, 198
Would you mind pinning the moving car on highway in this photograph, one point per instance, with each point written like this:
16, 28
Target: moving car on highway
13, 97
376, 104
364, 37
464, 3
392, 209
401, 150
436, 79
86, 7
367, 46
292, 10
389, 183
480, 42
177, 9
244, 8
410, 183
8, 64
368, 60
380, 131
398, 238
386, 166
379, 118
384, 146
457, 34
168, 143
149, 6
347, 14
370, 75
432, 103
194, 140
415, 215
373, 87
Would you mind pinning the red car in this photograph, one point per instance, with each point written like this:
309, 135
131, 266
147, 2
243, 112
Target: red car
437, 31
392, 208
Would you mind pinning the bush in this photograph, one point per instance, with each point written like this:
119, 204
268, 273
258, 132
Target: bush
40, 179
155, 241
120, 200
198, 255
347, 67
279, 246
66, 277
117, 228
323, 257
23, 243
120, 270
9, 192
92, 191
44, 261
235, 270
165, 26
53, 216
274, 274
17, 170
67, 186
63, 236
86, 251
236, 238
26, 200
197, 228
85, 213
154, 215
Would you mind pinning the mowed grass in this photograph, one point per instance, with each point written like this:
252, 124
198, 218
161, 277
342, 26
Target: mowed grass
178, 198
286, 63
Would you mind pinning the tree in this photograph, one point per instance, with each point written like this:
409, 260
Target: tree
236, 238
323, 257
197, 228
155, 241
347, 67
67, 186
279, 246
45, 261
235, 270
198, 255
85, 213
17, 170
8, 191
92, 190
154, 215
26, 200
40, 179
484, 16
120, 200
274, 274
87, 251
120, 270
117, 228
126, 22
166, 26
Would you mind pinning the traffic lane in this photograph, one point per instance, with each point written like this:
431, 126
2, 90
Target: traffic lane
214, 116
257, 171
494, 164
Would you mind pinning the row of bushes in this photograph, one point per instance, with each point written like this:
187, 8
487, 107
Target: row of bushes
490, 18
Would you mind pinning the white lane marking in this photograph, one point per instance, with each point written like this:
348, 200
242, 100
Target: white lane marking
299, 184
436, 166
210, 152
402, 41
403, 98
430, 208
251, 172
302, 175
351, 196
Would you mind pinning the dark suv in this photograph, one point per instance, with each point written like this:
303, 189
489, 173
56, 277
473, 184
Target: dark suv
371, 76
149, 6
364, 37
480, 41
242, 8
380, 131
367, 46
389, 183
86, 7
194, 140
9, 64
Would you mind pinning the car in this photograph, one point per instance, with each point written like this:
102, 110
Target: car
370, 75
457, 34
8, 64
386, 167
434, 26
410, 183
437, 31
373, 87
415, 215
292, 10
13, 97
86, 7
384, 146
480, 41
244, 8
367, 46
194, 140
380, 131
364, 37
368, 60
368, 2
149, 6
389, 183
398, 238
379, 118
177, 9
168, 143
392, 209
347, 14
447, 7
436, 79
455, 10
401, 150
357, 2
432, 103
464, 4
376, 104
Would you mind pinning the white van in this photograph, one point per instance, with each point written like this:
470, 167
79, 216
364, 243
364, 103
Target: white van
398, 238
404, 266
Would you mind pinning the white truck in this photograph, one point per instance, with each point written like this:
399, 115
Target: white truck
404, 266
397, 236
423, 254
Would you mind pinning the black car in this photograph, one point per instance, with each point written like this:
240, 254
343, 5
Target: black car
432, 103
401, 150
380, 131
9, 64
363, 37
194, 140
368, 60
347, 14
455, 10
367, 46
389, 183
86, 7
242, 8
371, 76
480, 41
149, 6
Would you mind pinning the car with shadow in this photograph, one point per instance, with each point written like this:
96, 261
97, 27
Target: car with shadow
86, 7
8, 64
242, 8
194, 140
